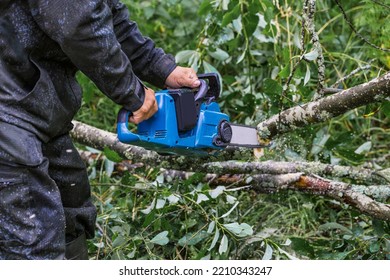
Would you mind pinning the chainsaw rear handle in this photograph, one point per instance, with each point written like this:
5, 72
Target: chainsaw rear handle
214, 85
124, 114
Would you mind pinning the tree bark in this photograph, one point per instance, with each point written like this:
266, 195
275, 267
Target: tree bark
359, 174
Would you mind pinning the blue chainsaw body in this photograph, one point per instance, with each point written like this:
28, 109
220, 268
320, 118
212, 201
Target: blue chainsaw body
186, 123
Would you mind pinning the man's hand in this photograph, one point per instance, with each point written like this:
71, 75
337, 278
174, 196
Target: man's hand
182, 77
147, 109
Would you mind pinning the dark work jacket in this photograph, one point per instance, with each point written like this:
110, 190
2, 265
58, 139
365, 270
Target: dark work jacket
44, 42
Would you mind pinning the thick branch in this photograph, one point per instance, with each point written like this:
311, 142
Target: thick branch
242, 173
368, 176
344, 193
100, 139
326, 108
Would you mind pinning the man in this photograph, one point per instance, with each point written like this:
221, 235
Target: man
45, 203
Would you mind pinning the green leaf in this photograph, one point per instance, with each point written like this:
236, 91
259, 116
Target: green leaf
185, 56
268, 253
247, 230
192, 238
173, 198
385, 108
307, 76
233, 227
211, 227
118, 255
201, 197
379, 227
215, 239
269, 14
330, 226
230, 210
112, 155
375, 246
320, 140
129, 179
285, 72
161, 238
231, 199
242, 56
310, 56
334, 256
205, 7
266, 4
119, 241
225, 4
240, 230
219, 54
109, 167
250, 22
131, 255
302, 246
349, 154
160, 203
189, 223
366, 147
230, 16
272, 87
148, 209
217, 191
208, 68
223, 246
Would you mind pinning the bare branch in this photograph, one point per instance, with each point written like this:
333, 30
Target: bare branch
355, 31
368, 176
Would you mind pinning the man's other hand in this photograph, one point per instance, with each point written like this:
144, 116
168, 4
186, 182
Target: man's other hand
182, 77
147, 109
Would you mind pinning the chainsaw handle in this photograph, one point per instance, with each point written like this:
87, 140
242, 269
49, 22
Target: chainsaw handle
214, 85
124, 134
123, 115
202, 91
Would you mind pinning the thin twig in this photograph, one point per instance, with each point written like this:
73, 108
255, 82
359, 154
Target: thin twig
356, 32
366, 67
381, 4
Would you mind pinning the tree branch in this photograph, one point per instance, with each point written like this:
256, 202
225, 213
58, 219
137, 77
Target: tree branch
360, 174
99, 139
326, 108
309, 10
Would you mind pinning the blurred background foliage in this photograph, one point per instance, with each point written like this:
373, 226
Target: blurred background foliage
254, 46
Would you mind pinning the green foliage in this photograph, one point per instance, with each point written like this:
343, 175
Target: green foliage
151, 218
143, 215
255, 46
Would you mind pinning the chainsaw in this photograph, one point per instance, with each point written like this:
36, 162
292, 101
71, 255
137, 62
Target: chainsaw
188, 122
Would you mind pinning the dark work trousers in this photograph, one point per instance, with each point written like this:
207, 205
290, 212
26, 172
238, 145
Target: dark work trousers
44, 195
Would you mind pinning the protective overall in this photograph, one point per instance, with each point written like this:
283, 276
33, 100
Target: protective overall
44, 190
